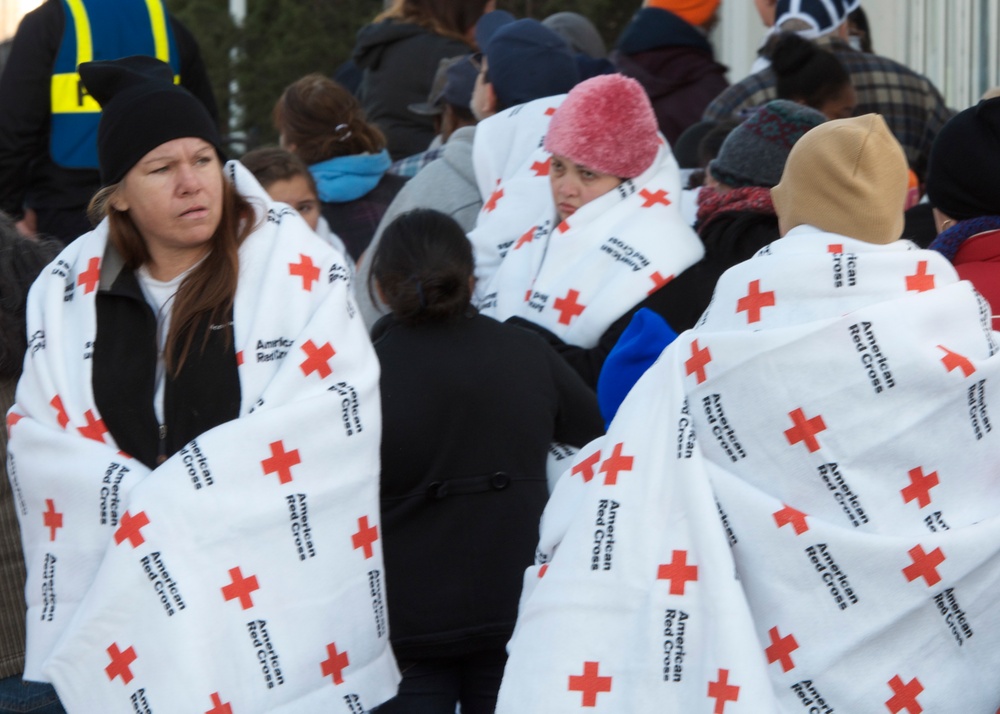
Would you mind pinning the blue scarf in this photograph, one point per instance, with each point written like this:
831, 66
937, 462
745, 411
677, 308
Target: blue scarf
346, 178
949, 241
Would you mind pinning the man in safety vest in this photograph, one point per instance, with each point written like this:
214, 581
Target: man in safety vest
48, 122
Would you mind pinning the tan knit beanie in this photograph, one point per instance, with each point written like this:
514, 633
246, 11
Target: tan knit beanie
848, 177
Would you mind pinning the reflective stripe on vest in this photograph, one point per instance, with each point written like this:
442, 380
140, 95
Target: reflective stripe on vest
99, 30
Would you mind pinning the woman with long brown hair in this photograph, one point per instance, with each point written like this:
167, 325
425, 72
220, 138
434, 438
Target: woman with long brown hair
324, 125
399, 54
198, 386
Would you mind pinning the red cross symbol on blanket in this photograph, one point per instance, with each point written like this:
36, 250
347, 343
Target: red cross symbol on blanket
790, 515
586, 467
495, 197
51, 519
541, 168
953, 360
95, 428
12, 419
305, 270
218, 707
678, 572
700, 356
131, 529
722, 691
317, 359
61, 415
528, 236
240, 588
568, 307
920, 487
651, 199
780, 649
120, 662
90, 277
920, 281
542, 570
590, 683
754, 301
835, 248
365, 536
281, 461
659, 281
804, 430
904, 696
924, 565
614, 464
563, 226
336, 663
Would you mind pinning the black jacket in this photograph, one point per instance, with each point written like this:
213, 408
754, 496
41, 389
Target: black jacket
204, 394
469, 409
399, 61
27, 174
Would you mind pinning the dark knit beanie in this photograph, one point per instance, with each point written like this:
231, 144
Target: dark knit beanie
963, 173
527, 61
754, 153
141, 108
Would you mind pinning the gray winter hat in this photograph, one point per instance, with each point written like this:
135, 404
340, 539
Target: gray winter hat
754, 153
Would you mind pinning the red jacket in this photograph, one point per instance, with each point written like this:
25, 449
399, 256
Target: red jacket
978, 261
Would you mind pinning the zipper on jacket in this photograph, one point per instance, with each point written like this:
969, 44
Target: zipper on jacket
161, 451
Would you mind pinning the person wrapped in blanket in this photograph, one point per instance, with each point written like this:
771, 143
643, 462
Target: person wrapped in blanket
579, 258
797, 505
194, 441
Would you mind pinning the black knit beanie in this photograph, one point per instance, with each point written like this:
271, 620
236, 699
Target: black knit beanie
963, 173
141, 108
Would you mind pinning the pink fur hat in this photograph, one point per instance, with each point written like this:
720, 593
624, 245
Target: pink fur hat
606, 124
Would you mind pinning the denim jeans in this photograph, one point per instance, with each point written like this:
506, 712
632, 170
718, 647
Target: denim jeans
17, 697
435, 686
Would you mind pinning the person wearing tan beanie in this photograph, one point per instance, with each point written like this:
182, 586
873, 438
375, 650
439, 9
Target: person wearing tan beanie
847, 177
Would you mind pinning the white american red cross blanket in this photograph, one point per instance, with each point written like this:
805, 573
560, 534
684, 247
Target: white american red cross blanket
578, 276
512, 171
795, 510
245, 573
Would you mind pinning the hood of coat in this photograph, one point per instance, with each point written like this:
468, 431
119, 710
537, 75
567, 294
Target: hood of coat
374, 39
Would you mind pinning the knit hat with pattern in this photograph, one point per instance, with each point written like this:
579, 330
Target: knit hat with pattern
754, 153
141, 108
963, 175
693, 12
822, 16
847, 176
607, 124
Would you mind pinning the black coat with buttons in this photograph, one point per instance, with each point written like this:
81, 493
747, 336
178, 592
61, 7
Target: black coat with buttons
470, 408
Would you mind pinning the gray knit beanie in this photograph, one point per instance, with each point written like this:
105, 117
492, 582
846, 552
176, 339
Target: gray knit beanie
754, 153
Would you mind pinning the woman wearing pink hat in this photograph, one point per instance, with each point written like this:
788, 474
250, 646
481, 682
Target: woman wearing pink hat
610, 237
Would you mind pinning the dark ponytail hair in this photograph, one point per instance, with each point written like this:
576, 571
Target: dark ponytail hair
805, 73
423, 265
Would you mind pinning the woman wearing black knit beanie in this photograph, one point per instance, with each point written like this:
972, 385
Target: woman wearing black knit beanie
194, 442
963, 186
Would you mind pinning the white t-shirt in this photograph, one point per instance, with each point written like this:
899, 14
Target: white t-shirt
160, 296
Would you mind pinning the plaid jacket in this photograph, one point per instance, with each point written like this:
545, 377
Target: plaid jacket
913, 108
